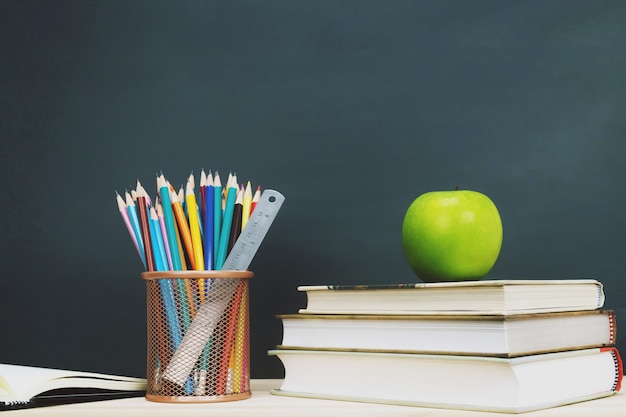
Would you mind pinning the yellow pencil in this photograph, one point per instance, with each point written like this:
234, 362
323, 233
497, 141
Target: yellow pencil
239, 353
247, 205
196, 237
194, 226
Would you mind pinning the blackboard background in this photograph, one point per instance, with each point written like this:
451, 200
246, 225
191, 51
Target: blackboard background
350, 108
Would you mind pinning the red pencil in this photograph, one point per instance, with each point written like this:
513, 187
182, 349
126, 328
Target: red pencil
255, 199
229, 339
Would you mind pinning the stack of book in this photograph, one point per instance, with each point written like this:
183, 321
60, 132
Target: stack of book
494, 345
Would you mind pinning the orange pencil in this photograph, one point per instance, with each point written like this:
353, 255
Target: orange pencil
181, 196
179, 246
183, 234
227, 347
245, 372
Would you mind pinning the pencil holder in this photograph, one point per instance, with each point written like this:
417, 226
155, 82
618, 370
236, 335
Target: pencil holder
198, 336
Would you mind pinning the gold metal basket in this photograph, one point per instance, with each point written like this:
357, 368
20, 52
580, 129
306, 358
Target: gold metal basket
198, 336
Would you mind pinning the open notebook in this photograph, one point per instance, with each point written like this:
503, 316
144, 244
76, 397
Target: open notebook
28, 386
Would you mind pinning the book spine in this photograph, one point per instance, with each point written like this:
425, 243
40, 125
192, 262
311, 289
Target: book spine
600, 301
612, 328
619, 370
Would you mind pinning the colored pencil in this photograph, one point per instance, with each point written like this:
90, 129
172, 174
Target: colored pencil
255, 199
226, 224
124, 213
166, 245
209, 219
229, 185
217, 215
168, 214
238, 348
194, 227
142, 211
176, 249
203, 181
236, 223
174, 230
134, 221
184, 235
229, 340
156, 237
247, 204
183, 227
165, 285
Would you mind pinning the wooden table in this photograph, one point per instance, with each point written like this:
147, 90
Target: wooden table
262, 403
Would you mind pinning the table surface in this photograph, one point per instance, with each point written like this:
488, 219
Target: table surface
262, 403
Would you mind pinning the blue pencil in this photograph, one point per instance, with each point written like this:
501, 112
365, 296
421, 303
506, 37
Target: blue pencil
209, 217
170, 225
168, 215
167, 293
217, 215
226, 224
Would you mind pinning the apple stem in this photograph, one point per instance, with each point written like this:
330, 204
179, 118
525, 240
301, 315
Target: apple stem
456, 188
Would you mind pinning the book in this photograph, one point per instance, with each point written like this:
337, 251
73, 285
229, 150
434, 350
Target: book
511, 385
30, 386
487, 335
463, 297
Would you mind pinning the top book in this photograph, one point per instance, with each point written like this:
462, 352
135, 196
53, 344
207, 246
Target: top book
501, 297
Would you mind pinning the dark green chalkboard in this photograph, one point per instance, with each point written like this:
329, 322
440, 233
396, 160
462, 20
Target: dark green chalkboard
351, 109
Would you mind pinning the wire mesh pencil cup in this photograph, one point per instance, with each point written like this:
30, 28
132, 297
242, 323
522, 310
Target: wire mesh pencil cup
198, 333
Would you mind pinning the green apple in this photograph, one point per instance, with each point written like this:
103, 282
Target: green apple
452, 235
